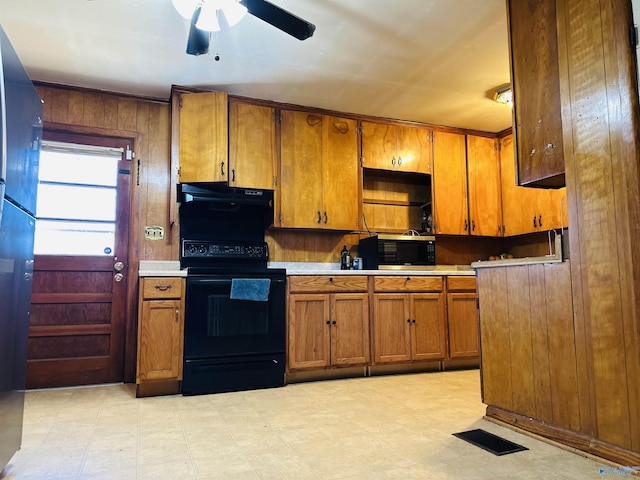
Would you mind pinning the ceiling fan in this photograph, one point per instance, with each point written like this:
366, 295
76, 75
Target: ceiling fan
205, 15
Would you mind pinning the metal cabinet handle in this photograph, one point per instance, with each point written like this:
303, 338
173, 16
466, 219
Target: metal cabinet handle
393, 160
408, 320
329, 322
399, 161
333, 323
163, 288
177, 315
540, 221
473, 225
413, 321
466, 225
319, 218
535, 222
233, 175
326, 218
222, 168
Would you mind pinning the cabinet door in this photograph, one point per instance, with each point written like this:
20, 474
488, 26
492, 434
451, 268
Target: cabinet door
518, 203
428, 336
379, 145
463, 325
309, 332
451, 210
391, 328
483, 167
252, 146
341, 179
160, 340
203, 137
536, 92
349, 329
414, 149
301, 170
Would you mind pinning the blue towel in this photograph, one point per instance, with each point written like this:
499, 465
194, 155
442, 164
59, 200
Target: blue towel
255, 289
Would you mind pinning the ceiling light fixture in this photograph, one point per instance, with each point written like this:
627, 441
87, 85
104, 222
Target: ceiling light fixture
504, 95
211, 12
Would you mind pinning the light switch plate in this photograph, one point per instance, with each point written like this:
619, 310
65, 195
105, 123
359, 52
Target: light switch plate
154, 232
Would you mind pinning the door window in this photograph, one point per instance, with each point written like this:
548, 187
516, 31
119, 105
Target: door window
77, 199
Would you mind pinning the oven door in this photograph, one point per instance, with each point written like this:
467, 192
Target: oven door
218, 326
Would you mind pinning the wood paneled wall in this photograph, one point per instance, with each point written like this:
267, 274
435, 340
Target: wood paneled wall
148, 123
599, 95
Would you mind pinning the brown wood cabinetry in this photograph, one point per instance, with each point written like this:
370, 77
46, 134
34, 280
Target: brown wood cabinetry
319, 172
408, 326
483, 170
203, 137
252, 146
329, 328
160, 335
527, 210
450, 196
462, 317
396, 147
535, 81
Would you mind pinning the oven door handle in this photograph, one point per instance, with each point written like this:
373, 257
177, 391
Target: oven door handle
221, 281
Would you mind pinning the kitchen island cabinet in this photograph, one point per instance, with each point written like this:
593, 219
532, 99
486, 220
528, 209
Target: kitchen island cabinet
328, 323
160, 335
319, 171
396, 147
409, 324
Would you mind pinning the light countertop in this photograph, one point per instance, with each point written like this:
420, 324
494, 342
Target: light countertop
154, 268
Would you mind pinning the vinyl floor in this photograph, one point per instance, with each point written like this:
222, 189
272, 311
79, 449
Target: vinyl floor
374, 428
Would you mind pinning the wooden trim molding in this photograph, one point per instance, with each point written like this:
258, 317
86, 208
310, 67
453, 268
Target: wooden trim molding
570, 438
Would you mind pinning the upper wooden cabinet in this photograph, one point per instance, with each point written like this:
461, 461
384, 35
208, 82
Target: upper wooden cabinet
396, 147
450, 197
203, 137
485, 203
527, 210
252, 146
466, 185
319, 172
536, 91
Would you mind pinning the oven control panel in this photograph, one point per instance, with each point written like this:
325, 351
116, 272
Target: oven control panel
207, 250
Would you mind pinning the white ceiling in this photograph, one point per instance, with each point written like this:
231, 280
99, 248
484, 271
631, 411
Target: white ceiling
433, 61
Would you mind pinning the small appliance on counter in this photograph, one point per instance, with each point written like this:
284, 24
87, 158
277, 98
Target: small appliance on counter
392, 252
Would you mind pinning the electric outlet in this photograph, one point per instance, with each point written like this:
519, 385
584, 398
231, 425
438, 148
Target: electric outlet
154, 232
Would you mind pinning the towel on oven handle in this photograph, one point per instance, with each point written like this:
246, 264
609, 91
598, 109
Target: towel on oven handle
254, 289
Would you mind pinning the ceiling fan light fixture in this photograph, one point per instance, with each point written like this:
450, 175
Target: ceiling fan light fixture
186, 7
208, 19
210, 9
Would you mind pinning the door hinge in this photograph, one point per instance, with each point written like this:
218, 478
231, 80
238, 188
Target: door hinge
633, 36
359, 129
179, 101
179, 171
477, 303
497, 145
430, 136
280, 218
275, 181
361, 161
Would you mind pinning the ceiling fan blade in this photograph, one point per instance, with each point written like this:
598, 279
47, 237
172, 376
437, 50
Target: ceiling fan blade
279, 18
198, 42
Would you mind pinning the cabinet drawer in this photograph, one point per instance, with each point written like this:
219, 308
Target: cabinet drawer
461, 283
408, 284
162, 287
327, 283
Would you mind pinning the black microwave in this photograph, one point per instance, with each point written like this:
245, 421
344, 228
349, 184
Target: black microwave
397, 251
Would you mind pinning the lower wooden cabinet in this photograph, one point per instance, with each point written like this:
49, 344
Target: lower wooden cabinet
409, 326
328, 329
160, 335
462, 317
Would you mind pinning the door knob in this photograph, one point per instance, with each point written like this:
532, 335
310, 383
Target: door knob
118, 266
118, 277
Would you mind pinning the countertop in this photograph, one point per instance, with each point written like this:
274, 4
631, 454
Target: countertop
153, 268
553, 257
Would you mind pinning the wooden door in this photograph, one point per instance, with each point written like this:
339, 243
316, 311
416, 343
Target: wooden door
485, 206
391, 328
160, 341
252, 146
203, 137
301, 203
428, 336
78, 312
350, 332
309, 332
414, 152
341, 179
463, 325
379, 145
451, 211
